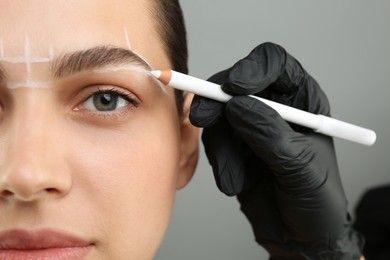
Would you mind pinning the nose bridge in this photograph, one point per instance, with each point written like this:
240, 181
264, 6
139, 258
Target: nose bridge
28, 138
27, 158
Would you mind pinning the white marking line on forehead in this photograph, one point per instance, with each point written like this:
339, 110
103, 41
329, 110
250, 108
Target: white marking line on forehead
16, 60
51, 52
28, 60
132, 68
27, 55
42, 84
127, 39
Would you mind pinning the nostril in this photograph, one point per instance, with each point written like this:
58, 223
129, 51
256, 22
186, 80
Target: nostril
51, 190
6, 193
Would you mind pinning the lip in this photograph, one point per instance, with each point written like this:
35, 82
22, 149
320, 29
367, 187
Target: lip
42, 244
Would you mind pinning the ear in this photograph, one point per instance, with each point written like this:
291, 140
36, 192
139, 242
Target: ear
189, 148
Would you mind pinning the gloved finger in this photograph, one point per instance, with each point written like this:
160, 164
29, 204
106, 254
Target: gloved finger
230, 159
308, 97
285, 151
205, 112
220, 77
227, 164
265, 65
260, 127
269, 71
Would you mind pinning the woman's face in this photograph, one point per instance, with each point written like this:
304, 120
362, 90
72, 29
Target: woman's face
91, 146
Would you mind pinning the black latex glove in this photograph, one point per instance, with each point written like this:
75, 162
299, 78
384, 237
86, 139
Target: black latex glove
286, 176
372, 220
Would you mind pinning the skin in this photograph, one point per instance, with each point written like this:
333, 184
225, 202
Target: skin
107, 177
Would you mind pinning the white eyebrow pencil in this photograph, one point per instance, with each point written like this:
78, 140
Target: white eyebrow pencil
319, 123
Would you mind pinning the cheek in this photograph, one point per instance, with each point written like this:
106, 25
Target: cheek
129, 177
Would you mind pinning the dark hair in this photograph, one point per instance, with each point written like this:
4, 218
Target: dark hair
171, 27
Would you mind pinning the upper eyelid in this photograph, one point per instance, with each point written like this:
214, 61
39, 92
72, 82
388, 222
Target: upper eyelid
122, 76
127, 95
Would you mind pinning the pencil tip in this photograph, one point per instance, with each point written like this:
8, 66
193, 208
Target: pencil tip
164, 76
156, 73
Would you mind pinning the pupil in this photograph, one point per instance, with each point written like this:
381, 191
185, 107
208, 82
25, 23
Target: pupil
105, 102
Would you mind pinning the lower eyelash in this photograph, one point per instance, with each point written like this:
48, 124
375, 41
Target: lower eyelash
118, 114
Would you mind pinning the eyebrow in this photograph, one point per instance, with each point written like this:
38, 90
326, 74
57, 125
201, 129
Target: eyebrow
94, 58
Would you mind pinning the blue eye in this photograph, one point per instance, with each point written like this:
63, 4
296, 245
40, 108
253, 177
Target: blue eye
107, 100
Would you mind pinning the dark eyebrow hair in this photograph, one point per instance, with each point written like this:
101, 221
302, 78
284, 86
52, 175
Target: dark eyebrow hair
94, 58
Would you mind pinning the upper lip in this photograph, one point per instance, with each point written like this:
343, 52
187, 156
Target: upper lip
20, 239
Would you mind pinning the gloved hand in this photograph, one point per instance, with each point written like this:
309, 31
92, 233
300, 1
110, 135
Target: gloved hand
285, 176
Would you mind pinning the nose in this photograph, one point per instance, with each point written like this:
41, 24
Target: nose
27, 181
31, 167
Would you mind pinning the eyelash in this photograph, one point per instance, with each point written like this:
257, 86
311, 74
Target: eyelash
117, 113
127, 96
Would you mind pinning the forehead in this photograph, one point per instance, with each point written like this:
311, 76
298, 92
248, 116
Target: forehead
69, 25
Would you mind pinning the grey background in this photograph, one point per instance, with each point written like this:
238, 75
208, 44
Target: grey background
343, 45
